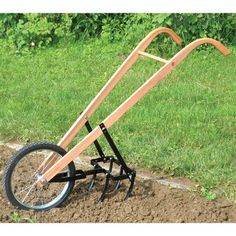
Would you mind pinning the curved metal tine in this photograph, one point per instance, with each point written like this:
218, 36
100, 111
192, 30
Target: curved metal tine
118, 182
131, 186
102, 197
92, 182
117, 186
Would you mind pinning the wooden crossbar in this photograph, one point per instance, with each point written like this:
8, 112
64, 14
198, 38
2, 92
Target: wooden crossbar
152, 57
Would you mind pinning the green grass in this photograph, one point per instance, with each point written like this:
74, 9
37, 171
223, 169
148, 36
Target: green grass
185, 126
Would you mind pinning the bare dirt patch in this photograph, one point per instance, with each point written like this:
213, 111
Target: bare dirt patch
151, 202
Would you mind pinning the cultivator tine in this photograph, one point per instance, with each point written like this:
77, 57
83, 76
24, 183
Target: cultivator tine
102, 197
116, 187
118, 183
132, 178
92, 182
108, 174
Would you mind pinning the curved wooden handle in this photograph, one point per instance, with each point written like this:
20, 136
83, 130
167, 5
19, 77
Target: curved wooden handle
190, 47
149, 38
225, 51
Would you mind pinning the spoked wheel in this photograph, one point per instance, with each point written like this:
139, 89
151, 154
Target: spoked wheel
19, 178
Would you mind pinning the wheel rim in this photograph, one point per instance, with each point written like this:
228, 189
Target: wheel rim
23, 182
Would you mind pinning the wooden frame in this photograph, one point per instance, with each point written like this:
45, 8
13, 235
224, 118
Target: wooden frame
54, 168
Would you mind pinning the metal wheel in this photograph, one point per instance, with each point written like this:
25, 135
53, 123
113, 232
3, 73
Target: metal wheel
19, 181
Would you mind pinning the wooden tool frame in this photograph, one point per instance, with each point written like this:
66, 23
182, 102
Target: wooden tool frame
55, 167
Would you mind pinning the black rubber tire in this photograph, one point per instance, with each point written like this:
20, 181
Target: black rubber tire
12, 163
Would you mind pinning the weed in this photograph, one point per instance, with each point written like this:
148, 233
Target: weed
209, 195
17, 218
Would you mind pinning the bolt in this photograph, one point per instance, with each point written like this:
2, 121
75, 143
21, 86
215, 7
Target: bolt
43, 181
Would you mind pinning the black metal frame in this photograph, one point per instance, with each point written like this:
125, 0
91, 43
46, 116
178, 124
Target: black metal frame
125, 171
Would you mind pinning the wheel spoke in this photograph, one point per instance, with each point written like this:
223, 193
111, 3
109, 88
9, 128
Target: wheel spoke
46, 165
23, 190
33, 185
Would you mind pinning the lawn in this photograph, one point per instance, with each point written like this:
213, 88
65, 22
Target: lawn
186, 125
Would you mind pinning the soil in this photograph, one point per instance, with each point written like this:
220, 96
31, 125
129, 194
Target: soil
151, 202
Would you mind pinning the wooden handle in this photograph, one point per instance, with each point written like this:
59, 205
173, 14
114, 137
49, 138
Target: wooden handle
130, 102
